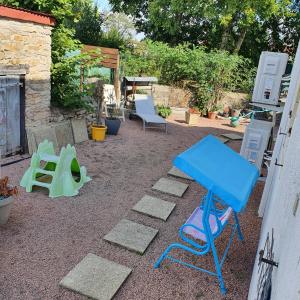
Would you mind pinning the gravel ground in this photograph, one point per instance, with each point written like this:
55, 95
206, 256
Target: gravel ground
44, 239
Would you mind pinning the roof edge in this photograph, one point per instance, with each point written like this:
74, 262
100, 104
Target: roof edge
26, 15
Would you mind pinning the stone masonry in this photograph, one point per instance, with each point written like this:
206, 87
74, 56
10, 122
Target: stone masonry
28, 43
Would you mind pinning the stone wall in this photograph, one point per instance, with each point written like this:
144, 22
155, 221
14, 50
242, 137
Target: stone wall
27, 43
180, 98
170, 96
60, 115
232, 99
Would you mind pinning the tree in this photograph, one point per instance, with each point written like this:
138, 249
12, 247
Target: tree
221, 24
64, 88
237, 17
88, 23
118, 30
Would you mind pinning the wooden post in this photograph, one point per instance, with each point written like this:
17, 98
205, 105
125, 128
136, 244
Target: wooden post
117, 79
81, 78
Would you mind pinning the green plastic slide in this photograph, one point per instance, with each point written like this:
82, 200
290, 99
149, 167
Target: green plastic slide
63, 171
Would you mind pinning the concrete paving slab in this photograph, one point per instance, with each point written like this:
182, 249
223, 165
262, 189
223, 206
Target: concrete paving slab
46, 133
172, 187
177, 173
79, 130
131, 235
64, 134
96, 277
154, 207
233, 136
222, 139
32, 147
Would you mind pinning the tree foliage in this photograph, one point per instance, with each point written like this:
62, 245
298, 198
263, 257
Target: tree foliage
206, 74
88, 23
118, 30
70, 16
221, 24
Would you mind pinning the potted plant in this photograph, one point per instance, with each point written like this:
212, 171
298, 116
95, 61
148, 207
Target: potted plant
235, 109
192, 116
98, 129
112, 122
6, 199
164, 111
213, 111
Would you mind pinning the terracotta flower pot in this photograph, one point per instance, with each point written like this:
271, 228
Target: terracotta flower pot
212, 115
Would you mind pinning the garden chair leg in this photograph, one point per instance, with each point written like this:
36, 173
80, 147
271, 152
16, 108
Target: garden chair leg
218, 269
240, 235
162, 257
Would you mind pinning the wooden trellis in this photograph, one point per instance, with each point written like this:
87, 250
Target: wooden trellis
111, 60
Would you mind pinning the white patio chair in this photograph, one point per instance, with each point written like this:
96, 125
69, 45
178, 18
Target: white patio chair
110, 99
145, 109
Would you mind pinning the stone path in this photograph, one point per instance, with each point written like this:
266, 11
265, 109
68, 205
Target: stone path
172, 187
99, 278
177, 173
96, 277
154, 207
233, 136
222, 139
131, 235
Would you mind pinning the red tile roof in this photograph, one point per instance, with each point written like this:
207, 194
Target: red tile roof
26, 15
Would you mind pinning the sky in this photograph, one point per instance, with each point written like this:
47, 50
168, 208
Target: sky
103, 4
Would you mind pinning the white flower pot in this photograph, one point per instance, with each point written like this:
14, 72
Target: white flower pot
5, 207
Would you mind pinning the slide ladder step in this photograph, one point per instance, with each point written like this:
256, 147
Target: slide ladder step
42, 184
45, 172
49, 158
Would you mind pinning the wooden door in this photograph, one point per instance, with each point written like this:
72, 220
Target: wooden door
10, 115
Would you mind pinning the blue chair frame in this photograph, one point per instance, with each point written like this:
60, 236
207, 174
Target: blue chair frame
208, 206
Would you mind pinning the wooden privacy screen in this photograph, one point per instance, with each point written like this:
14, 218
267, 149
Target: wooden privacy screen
111, 60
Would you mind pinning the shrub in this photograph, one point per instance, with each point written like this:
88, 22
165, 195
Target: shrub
206, 74
164, 111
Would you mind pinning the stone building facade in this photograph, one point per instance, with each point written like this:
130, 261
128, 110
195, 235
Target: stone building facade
25, 47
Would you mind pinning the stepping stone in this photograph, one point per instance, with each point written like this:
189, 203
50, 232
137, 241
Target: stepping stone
222, 139
232, 136
177, 173
96, 277
79, 130
131, 235
172, 187
154, 207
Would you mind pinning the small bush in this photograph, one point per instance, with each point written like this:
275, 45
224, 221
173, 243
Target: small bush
164, 111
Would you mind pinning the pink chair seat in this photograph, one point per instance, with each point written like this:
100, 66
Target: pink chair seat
196, 220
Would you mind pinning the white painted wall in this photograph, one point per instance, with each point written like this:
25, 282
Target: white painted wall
281, 191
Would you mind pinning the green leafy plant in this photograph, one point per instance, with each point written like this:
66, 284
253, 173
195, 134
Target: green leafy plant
65, 90
205, 74
164, 111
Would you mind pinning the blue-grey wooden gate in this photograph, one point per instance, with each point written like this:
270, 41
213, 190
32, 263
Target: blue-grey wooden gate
10, 115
